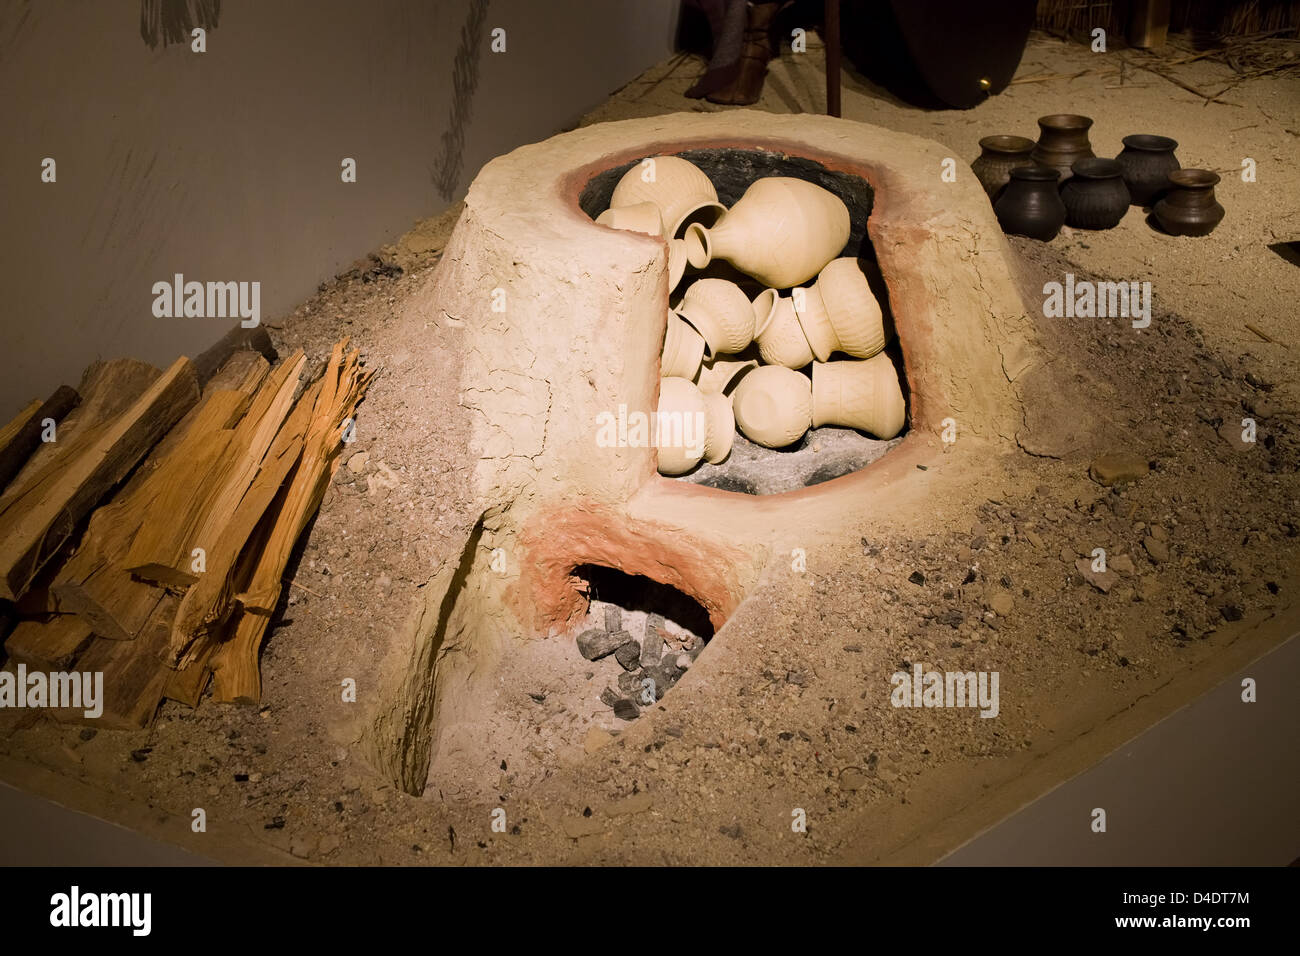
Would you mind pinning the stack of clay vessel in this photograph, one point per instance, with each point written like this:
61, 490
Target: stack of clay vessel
732, 363
865, 395
782, 231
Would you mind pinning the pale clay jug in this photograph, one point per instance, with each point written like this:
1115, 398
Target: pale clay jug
720, 430
718, 373
721, 313
681, 426
777, 331
782, 232
840, 312
773, 406
683, 349
678, 188
861, 394
645, 217
638, 217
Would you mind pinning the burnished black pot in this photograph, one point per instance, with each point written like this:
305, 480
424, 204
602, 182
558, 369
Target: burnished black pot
998, 156
1146, 162
1095, 196
1062, 139
1030, 204
1189, 208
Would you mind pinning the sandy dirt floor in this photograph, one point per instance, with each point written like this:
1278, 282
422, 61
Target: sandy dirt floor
788, 708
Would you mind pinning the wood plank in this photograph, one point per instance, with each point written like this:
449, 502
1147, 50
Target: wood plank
49, 645
200, 498
22, 436
35, 522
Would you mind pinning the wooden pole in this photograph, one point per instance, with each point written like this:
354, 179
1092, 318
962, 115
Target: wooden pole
832, 40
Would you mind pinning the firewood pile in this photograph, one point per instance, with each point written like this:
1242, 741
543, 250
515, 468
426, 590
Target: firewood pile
149, 539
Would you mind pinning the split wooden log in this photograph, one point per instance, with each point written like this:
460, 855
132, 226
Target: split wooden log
133, 682
41, 515
235, 666
51, 644
95, 583
188, 684
107, 389
207, 603
239, 339
22, 436
199, 498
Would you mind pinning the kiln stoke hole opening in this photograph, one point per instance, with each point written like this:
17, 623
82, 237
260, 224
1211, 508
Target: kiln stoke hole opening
786, 361
639, 636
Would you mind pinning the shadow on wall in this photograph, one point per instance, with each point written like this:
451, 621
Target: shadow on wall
173, 21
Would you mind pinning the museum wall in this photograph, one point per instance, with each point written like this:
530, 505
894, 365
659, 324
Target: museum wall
211, 165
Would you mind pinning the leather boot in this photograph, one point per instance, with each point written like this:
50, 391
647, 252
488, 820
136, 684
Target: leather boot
758, 50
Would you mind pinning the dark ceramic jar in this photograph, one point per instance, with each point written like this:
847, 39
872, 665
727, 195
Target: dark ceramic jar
1189, 207
1095, 196
1062, 138
1147, 161
1030, 205
998, 156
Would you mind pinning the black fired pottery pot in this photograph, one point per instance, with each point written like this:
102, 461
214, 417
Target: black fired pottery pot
1189, 208
998, 156
1030, 204
1147, 161
1095, 196
1063, 138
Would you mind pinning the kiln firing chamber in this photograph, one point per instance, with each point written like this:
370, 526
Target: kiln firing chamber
561, 319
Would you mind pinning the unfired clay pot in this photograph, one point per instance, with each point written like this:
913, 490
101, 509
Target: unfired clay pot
717, 374
859, 394
676, 262
781, 232
681, 426
721, 312
720, 430
683, 349
773, 406
639, 217
780, 339
679, 188
839, 311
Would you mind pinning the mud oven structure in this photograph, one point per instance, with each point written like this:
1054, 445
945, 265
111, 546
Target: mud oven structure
581, 333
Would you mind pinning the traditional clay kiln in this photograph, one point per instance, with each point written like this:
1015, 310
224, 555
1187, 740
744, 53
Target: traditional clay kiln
563, 319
